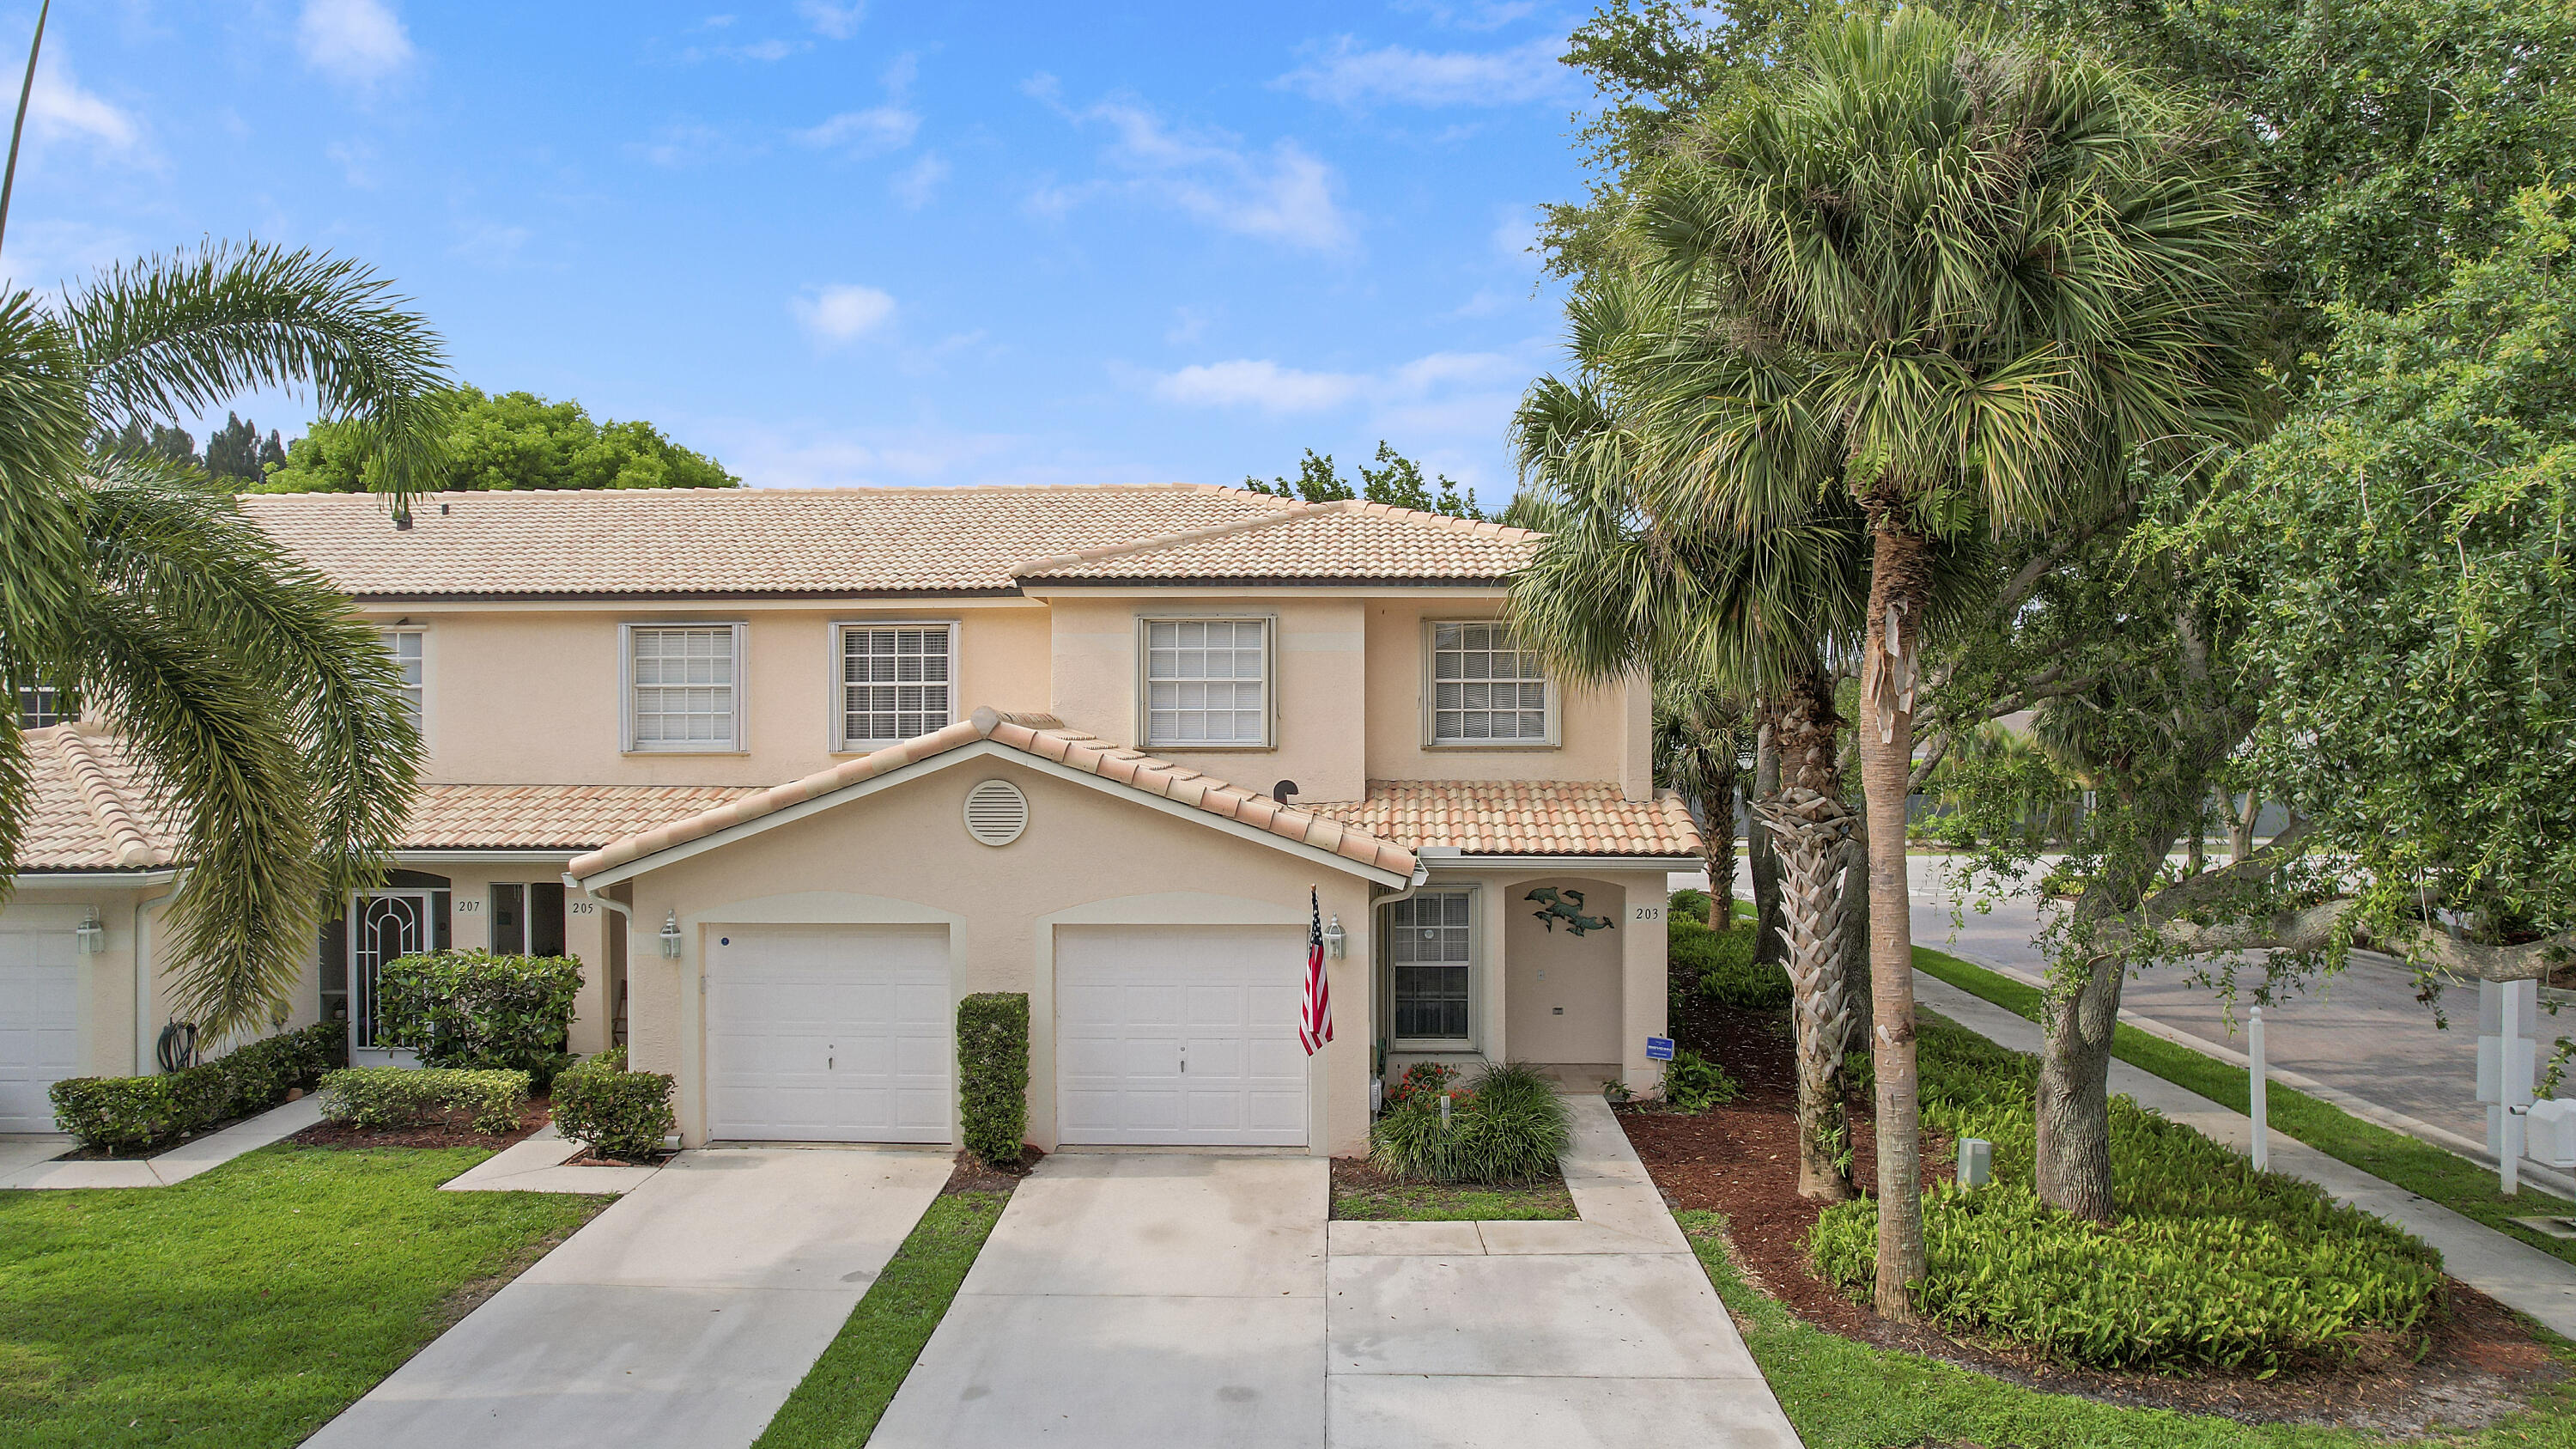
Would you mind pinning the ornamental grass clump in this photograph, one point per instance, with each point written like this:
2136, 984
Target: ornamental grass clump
2206, 1263
1507, 1126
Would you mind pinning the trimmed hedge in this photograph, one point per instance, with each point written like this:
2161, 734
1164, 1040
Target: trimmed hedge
375, 1098
478, 1011
116, 1114
993, 1074
618, 1113
1720, 963
1508, 1126
2206, 1262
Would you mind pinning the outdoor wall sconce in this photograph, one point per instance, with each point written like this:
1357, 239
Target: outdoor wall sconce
90, 936
671, 937
1335, 940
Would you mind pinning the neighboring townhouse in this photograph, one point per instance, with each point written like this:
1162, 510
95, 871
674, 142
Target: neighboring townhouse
791, 772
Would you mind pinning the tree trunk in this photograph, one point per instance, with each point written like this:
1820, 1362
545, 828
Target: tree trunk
2074, 1104
1900, 570
1810, 830
2240, 826
1855, 899
1717, 856
1765, 860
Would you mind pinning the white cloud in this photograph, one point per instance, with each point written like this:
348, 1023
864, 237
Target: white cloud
1284, 195
356, 41
1259, 384
832, 22
842, 313
772, 49
917, 183
357, 162
866, 133
1347, 75
44, 254
59, 110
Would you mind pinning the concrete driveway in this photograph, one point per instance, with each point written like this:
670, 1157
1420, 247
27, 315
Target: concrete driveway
680, 1318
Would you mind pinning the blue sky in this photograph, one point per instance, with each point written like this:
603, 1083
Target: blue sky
881, 243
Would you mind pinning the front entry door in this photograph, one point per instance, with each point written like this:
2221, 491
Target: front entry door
383, 925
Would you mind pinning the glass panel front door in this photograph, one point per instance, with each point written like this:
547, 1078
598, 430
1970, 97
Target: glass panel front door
383, 925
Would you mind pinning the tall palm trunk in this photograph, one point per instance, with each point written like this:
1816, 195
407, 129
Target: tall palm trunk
1900, 571
1806, 823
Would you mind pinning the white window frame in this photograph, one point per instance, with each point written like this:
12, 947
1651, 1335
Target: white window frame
43, 700
627, 742
1145, 624
1431, 740
1475, 964
843, 743
420, 714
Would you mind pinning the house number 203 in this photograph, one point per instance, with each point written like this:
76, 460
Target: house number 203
1646, 913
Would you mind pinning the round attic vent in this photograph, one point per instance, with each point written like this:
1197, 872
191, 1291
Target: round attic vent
996, 812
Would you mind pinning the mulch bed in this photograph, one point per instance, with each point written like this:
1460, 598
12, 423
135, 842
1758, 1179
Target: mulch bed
146, 1154
455, 1130
1741, 1159
971, 1175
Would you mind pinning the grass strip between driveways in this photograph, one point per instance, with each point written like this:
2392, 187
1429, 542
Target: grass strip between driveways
1840, 1394
842, 1397
2411, 1163
1409, 1202
247, 1306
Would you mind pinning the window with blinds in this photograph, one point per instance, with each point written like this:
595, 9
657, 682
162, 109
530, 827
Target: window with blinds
897, 681
408, 648
683, 692
1429, 945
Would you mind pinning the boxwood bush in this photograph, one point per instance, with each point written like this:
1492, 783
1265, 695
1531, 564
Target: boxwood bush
619, 1113
2207, 1262
378, 1098
478, 1011
993, 1074
121, 1114
1506, 1126
1720, 962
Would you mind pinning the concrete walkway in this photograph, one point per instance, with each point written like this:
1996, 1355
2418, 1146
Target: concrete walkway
26, 1162
680, 1318
2511, 1272
535, 1163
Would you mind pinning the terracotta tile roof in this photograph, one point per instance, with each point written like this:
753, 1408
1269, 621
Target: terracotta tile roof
1344, 540
1520, 817
728, 541
1043, 737
92, 807
550, 817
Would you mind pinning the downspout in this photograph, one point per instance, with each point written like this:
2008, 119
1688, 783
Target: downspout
144, 1058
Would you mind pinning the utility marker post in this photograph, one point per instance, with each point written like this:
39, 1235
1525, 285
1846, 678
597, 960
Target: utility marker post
2254, 1062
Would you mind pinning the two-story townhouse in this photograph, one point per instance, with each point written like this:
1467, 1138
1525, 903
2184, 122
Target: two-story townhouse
1099, 745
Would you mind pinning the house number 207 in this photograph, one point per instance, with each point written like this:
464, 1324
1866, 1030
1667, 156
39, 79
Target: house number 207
1647, 913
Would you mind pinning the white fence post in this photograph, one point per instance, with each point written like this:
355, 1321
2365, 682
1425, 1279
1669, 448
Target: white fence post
2262, 1133
2516, 1094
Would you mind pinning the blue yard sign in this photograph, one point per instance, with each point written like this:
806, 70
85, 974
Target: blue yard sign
1659, 1048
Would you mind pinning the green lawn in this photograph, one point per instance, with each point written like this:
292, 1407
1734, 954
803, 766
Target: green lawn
1845, 1395
2417, 1166
1451, 1203
849, 1387
245, 1307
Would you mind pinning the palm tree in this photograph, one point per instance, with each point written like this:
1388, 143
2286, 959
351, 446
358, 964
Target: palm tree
1965, 283
1701, 731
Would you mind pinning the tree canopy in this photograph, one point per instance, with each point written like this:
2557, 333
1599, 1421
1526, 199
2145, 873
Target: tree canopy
502, 441
1396, 481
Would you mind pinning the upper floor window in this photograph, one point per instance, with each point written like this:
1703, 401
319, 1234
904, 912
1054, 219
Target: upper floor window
40, 705
1207, 682
683, 688
897, 681
408, 648
1484, 690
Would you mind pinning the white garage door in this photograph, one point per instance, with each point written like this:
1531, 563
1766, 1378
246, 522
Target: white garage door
1180, 1034
828, 1033
39, 1025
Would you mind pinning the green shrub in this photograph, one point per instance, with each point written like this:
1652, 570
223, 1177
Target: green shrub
478, 1011
619, 1113
2207, 1262
1722, 964
116, 1114
377, 1098
1694, 1083
1508, 1126
993, 1074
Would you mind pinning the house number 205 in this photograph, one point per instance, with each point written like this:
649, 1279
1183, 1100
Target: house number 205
1647, 913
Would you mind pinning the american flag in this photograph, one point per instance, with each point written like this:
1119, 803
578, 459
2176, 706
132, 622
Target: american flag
1315, 1017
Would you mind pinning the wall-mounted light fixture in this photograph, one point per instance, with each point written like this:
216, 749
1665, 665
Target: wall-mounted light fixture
1335, 940
90, 936
671, 937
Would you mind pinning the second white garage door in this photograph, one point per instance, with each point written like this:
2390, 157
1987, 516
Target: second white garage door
39, 1025
1180, 1035
828, 1034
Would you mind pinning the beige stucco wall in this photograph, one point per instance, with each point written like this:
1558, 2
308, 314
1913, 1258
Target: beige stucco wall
1602, 733
532, 695
902, 854
1564, 989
